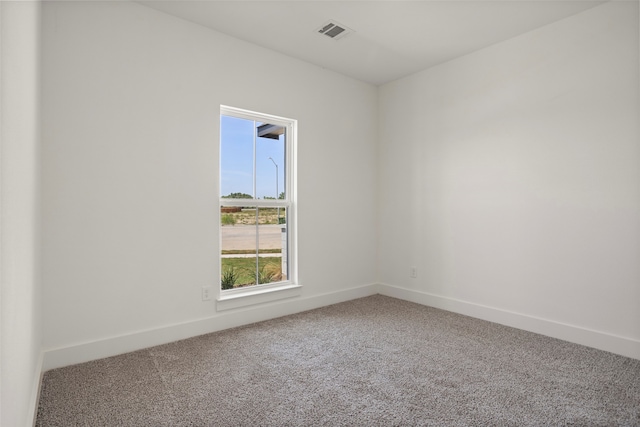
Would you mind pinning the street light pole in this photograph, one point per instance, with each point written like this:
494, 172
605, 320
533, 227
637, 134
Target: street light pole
277, 194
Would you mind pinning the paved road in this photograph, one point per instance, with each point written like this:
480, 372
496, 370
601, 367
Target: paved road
236, 237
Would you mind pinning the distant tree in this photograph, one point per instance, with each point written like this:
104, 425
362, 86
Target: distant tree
269, 198
281, 196
238, 196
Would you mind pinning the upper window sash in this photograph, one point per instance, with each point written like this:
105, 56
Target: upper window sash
287, 167
250, 115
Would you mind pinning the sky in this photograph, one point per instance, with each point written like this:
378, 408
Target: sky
236, 159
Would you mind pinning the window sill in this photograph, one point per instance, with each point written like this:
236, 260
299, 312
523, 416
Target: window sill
257, 296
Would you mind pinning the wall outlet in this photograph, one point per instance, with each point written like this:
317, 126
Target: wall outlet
206, 293
413, 272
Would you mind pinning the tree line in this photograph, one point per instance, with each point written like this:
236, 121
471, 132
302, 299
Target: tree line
248, 196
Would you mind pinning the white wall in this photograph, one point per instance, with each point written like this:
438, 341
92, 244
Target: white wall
511, 178
20, 288
131, 101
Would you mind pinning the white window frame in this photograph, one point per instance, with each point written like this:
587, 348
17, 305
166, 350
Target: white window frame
259, 293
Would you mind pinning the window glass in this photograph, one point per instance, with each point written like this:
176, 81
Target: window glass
255, 204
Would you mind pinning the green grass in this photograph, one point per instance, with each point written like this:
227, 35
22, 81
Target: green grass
228, 219
250, 251
246, 268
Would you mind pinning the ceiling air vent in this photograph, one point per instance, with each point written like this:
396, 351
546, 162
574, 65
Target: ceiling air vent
334, 30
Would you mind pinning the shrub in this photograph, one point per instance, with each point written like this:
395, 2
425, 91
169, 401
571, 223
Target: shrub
229, 278
269, 273
228, 219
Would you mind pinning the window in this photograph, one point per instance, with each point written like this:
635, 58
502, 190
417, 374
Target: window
257, 209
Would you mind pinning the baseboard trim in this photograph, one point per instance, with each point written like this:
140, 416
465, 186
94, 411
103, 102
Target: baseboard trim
35, 390
112, 346
590, 338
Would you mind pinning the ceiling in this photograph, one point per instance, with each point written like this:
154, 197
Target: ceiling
391, 39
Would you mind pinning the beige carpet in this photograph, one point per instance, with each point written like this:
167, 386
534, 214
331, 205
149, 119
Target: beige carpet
369, 362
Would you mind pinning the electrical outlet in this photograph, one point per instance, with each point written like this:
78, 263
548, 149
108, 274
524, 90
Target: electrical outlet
206, 293
413, 272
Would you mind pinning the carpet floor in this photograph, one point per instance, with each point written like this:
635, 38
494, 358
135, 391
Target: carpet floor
375, 361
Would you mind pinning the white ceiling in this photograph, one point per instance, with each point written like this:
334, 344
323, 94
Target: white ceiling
392, 39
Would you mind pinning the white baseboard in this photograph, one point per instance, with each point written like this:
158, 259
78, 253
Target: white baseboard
36, 387
590, 338
87, 351
112, 346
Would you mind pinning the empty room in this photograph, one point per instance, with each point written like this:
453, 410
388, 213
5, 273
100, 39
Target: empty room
320, 213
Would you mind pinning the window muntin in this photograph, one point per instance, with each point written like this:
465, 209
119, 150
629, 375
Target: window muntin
256, 206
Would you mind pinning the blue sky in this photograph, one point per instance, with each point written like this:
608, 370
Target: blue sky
236, 159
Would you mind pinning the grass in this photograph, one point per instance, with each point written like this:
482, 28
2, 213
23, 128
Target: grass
250, 251
228, 219
245, 268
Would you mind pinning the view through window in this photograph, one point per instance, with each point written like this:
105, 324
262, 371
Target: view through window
255, 200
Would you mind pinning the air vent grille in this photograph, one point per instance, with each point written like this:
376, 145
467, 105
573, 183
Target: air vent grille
334, 30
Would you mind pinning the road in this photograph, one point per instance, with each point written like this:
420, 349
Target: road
243, 237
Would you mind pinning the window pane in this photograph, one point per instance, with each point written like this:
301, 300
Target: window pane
241, 264
236, 157
239, 242
270, 155
255, 150
273, 246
